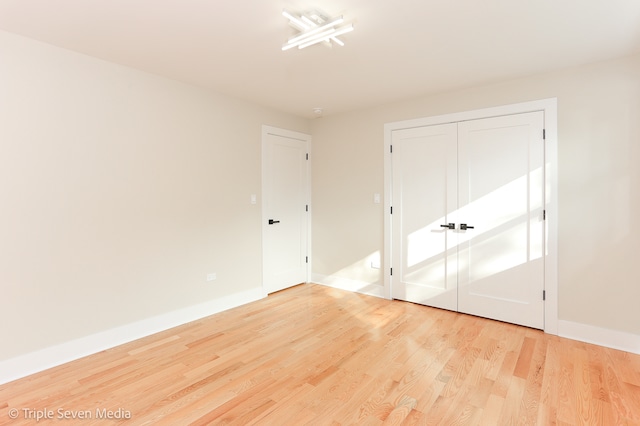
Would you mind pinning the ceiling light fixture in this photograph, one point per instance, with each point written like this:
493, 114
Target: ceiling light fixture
314, 28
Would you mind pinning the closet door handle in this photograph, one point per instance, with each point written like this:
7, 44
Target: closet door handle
449, 226
271, 221
464, 226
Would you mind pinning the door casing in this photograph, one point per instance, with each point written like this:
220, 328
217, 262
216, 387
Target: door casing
549, 108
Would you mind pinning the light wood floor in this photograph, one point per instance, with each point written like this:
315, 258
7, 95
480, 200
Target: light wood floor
315, 355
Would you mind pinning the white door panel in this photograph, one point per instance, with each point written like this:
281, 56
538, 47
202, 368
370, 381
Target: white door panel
501, 194
424, 175
285, 197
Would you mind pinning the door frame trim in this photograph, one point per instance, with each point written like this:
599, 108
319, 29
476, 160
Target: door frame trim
270, 130
549, 107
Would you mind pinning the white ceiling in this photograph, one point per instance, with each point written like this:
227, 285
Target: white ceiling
399, 49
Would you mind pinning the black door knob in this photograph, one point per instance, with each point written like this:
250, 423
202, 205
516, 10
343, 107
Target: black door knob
271, 221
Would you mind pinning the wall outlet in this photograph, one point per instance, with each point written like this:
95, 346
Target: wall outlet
211, 277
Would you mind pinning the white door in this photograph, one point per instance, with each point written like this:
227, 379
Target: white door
285, 194
501, 194
424, 204
484, 175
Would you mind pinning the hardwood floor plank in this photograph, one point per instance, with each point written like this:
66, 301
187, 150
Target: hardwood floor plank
501, 384
533, 385
584, 408
369, 402
288, 391
313, 355
524, 358
596, 375
567, 411
491, 411
548, 406
512, 406
401, 411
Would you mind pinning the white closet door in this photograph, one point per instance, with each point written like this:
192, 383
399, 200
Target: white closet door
424, 199
486, 176
501, 194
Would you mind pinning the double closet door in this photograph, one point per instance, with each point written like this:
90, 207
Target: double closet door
468, 230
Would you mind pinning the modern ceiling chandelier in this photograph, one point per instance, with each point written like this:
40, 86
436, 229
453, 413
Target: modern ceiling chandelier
315, 28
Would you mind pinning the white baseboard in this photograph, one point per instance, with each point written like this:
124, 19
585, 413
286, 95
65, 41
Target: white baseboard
600, 336
348, 284
34, 362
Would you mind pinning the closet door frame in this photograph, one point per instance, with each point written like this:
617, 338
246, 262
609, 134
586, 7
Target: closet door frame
549, 108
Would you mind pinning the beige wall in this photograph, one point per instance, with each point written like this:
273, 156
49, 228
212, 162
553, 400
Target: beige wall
599, 184
119, 192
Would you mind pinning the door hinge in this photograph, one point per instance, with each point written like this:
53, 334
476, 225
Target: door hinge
306, 259
391, 271
544, 133
544, 295
306, 208
391, 209
391, 149
307, 155
544, 215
